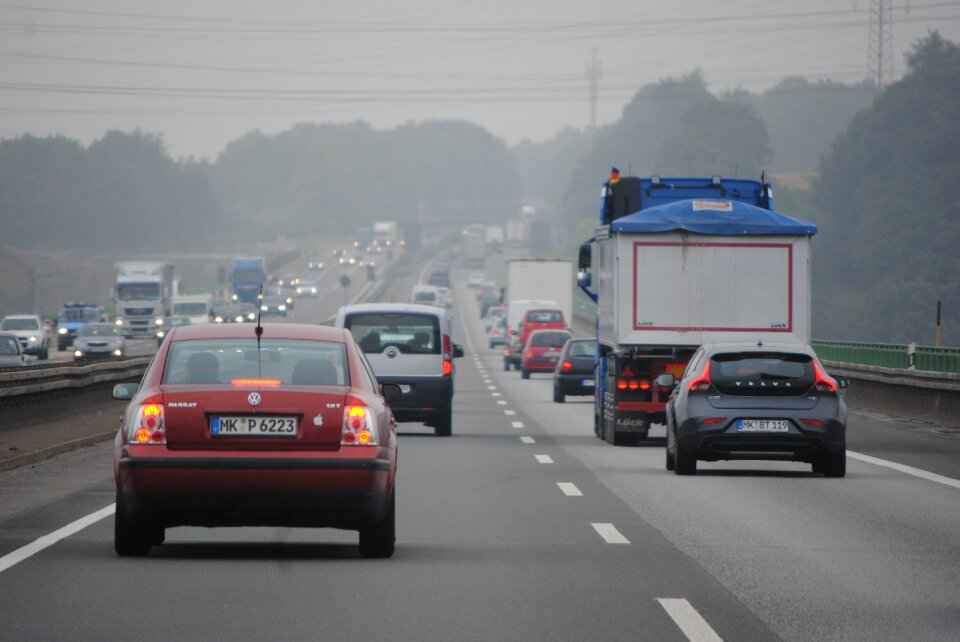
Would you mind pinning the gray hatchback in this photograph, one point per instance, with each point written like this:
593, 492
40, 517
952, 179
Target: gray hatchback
756, 401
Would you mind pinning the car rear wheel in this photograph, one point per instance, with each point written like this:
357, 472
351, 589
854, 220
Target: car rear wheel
44, 354
444, 425
671, 458
506, 365
525, 373
558, 396
379, 540
834, 464
685, 461
132, 540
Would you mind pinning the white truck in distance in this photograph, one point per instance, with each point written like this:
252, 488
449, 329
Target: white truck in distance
474, 247
142, 291
550, 279
197, 307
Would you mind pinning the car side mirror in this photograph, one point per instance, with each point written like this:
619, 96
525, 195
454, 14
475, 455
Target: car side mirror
666, 380
125, 391
457, 350
391, 392
842, 382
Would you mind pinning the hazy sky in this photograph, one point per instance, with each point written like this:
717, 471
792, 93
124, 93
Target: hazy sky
204, 72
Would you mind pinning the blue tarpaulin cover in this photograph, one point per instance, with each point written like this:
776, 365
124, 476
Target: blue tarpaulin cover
714, 216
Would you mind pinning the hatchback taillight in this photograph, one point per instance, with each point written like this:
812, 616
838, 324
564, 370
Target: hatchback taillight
359, 426
147, 424
566, 366
701, 383
823, 383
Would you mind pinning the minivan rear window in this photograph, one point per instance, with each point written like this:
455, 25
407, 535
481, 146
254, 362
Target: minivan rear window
409, 332
545, 316
549, 339
755, 373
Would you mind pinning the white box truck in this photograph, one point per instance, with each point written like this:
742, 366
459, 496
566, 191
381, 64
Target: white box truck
677, 263
195, 306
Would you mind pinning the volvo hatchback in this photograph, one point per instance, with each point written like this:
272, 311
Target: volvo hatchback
228, 429
756, 401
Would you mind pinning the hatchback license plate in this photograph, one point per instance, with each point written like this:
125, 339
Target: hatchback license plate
587, 383
232, 426
763, 425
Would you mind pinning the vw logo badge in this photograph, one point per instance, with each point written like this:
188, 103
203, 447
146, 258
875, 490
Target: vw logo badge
391, 353
254, 398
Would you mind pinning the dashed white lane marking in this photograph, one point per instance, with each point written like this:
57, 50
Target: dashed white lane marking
495, 394
516, 424
907, 470
544, 459
609, 533
509, 413
570, 490
50, 539
690, 622
501, 402
528, 440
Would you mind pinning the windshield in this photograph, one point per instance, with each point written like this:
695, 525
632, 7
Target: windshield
138, 291
409, 333
190, 309
20, 324
100, 330
292, 362
78, 315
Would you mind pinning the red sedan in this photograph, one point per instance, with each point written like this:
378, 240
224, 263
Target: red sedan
230, 429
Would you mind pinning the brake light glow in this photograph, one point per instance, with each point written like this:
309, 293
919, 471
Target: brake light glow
530, 355
265, 383
823, 383
701, 383
621, 384
447, 367
566, 366
147, 425
359, 426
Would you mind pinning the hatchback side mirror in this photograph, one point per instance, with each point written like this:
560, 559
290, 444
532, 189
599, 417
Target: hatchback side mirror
842, 382
666, 380
391, 392
457, 350
125, 391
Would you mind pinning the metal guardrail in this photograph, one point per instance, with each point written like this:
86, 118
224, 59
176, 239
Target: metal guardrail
890, 355
55, 377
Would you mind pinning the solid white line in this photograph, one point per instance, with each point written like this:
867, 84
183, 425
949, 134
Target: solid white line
516, 424
509, 413
544, 459
50, 539
690, 622
907, 470
609, 533
528, 440
570, 490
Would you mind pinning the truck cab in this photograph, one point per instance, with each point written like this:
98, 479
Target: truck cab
71, 318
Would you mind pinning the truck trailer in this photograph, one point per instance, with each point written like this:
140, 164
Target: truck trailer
679, 262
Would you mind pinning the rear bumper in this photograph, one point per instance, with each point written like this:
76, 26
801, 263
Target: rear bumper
800, 444
572, 384
427, 398
197, 490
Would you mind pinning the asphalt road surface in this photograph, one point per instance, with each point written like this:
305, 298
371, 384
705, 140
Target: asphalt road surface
522, 525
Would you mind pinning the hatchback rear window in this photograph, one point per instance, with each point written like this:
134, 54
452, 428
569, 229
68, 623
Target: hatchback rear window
549, 339
289, 361
545, 316
410, 333
762, 373
582, 349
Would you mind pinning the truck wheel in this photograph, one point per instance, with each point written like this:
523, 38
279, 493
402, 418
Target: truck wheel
834, 465
558, 396
444, 425
525, 373
685, 462
596, 424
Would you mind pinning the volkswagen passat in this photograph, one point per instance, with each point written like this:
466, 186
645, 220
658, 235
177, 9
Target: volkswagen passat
756, 401
228, 429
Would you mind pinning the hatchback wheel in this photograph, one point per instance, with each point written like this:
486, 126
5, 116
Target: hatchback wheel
685, 461
525, 373
671, 458
379, 540
444, 425
506, 365
834, 465
558, 396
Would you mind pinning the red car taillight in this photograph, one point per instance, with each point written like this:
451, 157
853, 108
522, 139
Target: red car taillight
566, 366
359, 426
147, 425
701, 383
824, 383
530, 355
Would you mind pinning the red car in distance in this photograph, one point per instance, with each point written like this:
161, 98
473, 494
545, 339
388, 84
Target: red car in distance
542, 350
230, 429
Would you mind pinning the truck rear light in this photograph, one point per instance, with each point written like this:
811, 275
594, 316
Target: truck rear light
633, 384
644, 384
566, 366
621, 384
823, 383
701, 383
147, 425
359, 426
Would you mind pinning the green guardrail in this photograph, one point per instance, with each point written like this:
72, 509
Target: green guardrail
886, 355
